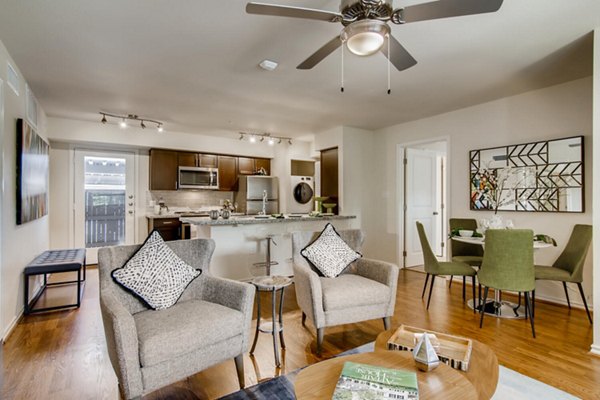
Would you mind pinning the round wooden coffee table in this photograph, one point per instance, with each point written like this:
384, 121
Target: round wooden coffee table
483, 365
318, 381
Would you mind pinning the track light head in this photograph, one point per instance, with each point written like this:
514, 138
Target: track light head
279, 142
143, 125
123, 124
252, 139
103, 118
271, 141
290, 142
241, 136
160, 128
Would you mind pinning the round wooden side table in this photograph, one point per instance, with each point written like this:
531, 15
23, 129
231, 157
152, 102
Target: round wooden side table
483, 365
318, 381
271, 284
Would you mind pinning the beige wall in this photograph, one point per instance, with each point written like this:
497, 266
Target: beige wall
68, 135
555, 112
596, 181
19, 243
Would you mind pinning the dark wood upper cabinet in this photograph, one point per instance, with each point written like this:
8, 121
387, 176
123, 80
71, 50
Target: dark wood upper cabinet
227, 173
246, 166
329, 177
264, 163
163, 169
188, 159
208, 160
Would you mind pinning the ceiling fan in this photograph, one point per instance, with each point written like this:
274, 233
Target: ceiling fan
366, 30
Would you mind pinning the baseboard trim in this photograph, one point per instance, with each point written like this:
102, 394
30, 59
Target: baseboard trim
595, 350
11, 327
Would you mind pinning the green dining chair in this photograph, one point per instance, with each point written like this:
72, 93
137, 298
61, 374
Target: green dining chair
467, 253
568, 267
433, 267
508, 265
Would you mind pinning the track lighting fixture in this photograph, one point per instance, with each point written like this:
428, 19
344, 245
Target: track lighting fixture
132, 117
252, 138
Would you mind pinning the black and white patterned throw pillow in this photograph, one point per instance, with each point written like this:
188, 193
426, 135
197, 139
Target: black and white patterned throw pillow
329, 253
156, 274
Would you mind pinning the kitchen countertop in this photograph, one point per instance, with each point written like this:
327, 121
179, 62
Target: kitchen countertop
249, 219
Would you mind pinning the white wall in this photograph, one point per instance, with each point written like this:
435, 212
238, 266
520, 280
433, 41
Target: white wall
555, 112
357, 174
67, 135
596, 181
20, 244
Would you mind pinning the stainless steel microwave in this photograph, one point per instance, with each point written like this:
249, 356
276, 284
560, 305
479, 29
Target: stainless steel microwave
198, 178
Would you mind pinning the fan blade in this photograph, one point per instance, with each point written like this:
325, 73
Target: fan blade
448, 8
294, 12
400, 57
320, 54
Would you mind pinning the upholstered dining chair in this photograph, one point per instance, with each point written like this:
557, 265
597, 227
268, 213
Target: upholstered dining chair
508, 265
149, 349
365, 290
467, 253
433, 267
568, 267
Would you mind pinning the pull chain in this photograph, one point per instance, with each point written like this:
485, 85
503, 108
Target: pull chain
388, 65
342, 87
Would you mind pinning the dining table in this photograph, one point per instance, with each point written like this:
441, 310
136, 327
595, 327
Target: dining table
497, 307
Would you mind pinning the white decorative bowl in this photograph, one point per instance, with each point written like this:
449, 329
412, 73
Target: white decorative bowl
465, 233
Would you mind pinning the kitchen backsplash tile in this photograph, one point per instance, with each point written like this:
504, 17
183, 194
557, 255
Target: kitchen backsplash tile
193, 199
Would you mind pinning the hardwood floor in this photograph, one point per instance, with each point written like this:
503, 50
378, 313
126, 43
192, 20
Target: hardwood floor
62, 355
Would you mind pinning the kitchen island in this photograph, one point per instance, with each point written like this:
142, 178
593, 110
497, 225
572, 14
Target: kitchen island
240, 241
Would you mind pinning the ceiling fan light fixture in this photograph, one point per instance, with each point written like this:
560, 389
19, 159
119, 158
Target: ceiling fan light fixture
365, 37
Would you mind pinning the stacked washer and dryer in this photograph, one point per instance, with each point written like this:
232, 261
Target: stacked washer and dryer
303, 192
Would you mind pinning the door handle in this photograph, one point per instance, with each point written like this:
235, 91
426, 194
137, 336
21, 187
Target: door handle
435, 213
130, 211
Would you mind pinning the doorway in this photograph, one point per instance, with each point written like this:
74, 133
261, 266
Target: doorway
424, 199
104, 200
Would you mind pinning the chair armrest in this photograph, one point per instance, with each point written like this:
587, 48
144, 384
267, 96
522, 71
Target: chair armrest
122, 343
379, 271
229, 293
382, 272
309, 294
233, 294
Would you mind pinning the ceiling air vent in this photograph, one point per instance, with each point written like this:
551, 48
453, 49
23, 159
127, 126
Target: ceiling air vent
12, 78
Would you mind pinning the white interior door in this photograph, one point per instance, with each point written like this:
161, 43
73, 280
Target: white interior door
421, 202
104, 206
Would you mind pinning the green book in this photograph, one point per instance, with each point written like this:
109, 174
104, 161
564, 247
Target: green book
369, 382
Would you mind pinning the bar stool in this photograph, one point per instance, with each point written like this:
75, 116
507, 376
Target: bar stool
271, 284
268, 263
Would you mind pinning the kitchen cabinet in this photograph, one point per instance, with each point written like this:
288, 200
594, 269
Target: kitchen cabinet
264, 163
163, 169
169, 228
187, 159
246, 166
227, 173
249, 166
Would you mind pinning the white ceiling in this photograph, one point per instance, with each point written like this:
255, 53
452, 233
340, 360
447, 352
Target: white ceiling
194, 63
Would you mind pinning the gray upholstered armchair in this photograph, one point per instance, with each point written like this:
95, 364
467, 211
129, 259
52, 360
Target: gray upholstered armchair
150, 349
365, 290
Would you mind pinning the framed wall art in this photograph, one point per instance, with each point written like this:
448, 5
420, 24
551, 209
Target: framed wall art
32, 174
539, 176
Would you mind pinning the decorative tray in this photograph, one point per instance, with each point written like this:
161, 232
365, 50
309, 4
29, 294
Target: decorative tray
452, 350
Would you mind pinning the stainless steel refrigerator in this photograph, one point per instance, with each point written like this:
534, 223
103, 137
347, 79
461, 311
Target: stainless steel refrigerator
252, 190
